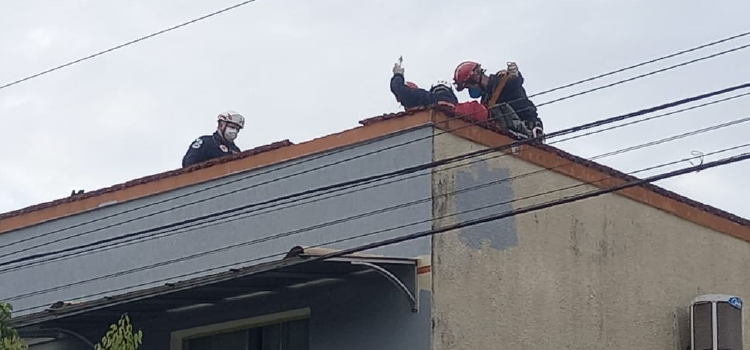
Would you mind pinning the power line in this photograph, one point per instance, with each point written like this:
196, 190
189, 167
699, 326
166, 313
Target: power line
290, 175
223, 220
641, 64
645, 75
652, 118
367, 179
535, 207
472, 222
124, 45
163, 263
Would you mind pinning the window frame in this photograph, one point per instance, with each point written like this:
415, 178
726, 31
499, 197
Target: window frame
177, 337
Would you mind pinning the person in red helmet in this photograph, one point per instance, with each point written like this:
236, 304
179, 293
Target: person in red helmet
498, 92
411, 96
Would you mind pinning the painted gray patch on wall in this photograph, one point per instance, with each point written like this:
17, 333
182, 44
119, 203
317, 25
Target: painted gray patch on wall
499, 234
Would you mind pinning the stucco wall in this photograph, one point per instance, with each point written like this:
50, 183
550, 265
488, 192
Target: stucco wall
606, 272
172, 246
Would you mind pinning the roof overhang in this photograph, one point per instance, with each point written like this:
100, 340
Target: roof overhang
291, 273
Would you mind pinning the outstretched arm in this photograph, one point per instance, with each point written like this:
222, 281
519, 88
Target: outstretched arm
409, 97
516, 78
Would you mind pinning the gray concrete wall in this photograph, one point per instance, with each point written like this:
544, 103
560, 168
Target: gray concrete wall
168, 246
606, 272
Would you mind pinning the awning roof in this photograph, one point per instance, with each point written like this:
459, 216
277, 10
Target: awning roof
232, 285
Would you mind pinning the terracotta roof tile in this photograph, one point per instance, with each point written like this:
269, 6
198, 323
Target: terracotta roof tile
387, 116
145, 179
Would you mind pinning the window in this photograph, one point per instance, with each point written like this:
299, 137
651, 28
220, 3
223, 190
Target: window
288, 330
291, 335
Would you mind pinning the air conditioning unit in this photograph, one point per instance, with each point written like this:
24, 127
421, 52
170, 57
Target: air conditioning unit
716, 322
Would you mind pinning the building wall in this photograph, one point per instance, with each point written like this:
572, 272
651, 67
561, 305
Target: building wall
606, 272
366, 312
122, 267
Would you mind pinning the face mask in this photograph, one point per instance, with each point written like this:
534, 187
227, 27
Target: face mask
230, 133
475, 92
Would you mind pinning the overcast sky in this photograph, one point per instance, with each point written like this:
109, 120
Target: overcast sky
300, 69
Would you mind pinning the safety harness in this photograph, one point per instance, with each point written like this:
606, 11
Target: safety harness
498, 89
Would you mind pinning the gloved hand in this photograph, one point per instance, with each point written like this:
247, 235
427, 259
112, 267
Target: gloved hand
397, 69
512, 69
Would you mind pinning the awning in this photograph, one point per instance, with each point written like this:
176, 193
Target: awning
233, 285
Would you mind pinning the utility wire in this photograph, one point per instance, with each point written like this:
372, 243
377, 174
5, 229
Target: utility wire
641, 64
644, 75
163, 263
225, 183
223, 220
124, 44
652, 118
339, 185
468, 223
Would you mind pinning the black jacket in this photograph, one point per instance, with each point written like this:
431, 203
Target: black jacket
409, 97
208, 147
514, 94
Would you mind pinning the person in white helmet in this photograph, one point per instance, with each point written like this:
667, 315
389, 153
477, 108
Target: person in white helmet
220, 144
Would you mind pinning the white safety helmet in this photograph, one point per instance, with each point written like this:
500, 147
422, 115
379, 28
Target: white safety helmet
232, 117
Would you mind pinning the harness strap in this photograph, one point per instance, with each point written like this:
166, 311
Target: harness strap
496, 94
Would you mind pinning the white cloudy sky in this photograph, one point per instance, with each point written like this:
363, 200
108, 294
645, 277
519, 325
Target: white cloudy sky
300, 69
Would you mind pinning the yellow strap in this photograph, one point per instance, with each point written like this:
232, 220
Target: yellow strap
498, 90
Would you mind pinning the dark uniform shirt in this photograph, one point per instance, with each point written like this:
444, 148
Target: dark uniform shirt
514, 94
208, 147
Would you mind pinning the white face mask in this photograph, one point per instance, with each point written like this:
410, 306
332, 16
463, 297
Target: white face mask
230, 133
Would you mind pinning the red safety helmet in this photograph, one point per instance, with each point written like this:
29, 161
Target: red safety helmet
412, 85
464, 73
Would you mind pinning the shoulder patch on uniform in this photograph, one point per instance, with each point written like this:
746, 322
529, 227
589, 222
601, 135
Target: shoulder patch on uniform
197, 143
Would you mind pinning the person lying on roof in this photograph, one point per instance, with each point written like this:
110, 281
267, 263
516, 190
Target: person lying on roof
220, 144
411, 96
498, 92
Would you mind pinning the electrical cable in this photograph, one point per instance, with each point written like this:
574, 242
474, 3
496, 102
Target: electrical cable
644, 75
242, 216
148, 267
404, 171
276, 179
473, 222
125, 44
641, 64
399, 206
651, 118
332, 153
